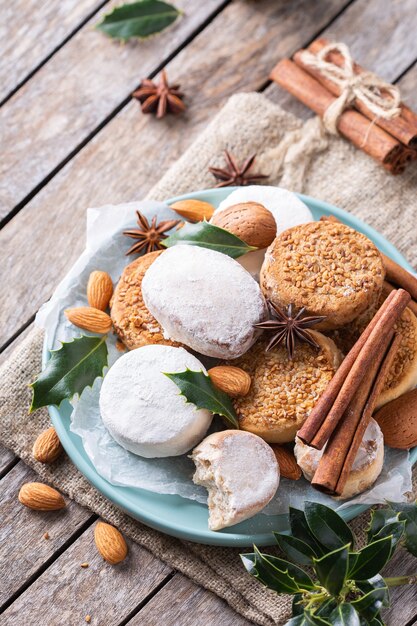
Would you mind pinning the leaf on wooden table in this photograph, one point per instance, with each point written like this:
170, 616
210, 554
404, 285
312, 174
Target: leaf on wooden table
138, 19
71, 368
198, 389
209, 236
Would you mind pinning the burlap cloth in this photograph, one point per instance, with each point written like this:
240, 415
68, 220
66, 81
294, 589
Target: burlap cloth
331, 170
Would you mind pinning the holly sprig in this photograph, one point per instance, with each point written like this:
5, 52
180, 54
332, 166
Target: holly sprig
344, 586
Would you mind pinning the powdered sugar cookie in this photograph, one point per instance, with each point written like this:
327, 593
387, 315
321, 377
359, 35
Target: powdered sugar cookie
205, 300
142, 408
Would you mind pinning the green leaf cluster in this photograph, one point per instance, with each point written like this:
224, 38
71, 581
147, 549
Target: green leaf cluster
71, 368
343, 586
209, 236
198, 389
138, 19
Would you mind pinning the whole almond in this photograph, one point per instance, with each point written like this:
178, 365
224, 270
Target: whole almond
99, 290
232, 380
193, 210
250, 221
47, 446
89, 318
41, 497
287, 463
110, 543
398, 421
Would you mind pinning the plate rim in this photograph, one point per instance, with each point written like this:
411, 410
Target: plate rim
112, 493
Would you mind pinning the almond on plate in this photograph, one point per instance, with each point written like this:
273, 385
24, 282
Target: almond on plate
287, 463
41, 497
398, 421
99, 290
193, 210
232, 380
110, 543
89, 318
47, 446
250, 221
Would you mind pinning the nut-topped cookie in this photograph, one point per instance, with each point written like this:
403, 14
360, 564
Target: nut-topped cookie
328, 268
132, 321
284, 391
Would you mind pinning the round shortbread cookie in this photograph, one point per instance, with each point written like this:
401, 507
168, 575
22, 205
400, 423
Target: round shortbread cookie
132, 321
366, 467
283, 392
205, 300
328, 268
143, 409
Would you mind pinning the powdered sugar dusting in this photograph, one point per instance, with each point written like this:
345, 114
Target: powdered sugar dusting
205, 300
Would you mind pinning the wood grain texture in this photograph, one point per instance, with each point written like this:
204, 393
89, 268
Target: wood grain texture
65, 593
6, 459
403, 599
23, 548
30, 31
132, 152
182, 603
73, 93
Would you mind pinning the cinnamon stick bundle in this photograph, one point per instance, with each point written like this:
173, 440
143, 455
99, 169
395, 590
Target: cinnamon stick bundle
333, 403
339, 455
370, 138
403, 127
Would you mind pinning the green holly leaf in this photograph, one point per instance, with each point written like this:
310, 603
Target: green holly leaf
371, 559
331, 569
408, 514
327, 526
379, 519
198, 389
295, 549
277, 574
374, 597
209, 236
70, 369
138, 19
301, 530
344, 615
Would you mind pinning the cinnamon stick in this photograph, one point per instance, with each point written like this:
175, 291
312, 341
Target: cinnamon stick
338, 457
411, 305
353, 125
328, 411
402, 127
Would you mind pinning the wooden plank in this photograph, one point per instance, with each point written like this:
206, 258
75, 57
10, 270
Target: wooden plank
73, 93
7, 458
183, 603
23, 548
65, 593
403, 599
34, 30
131, 153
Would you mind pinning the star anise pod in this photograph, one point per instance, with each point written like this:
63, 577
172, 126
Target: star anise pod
160, 98
149, 236
234, 174
288, 328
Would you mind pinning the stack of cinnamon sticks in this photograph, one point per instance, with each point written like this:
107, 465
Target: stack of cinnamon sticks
342, 414
392, 142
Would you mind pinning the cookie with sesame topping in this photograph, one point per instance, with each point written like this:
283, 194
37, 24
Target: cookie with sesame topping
328, 268
283, 391
131, 319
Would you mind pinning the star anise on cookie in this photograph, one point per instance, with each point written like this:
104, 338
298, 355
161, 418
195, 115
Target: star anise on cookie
160, 98
235, 174
149, 236
289, 328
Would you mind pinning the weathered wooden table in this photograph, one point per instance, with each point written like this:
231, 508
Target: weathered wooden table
71, 137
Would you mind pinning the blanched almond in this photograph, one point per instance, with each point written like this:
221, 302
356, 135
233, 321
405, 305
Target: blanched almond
47, 446
41, 497
110, 543
99, 290
232, 380
193, 210
89, 318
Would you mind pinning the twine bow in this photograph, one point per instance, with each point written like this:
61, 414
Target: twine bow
378, 96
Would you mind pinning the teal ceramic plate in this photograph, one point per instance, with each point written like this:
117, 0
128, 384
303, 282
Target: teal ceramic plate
177, 516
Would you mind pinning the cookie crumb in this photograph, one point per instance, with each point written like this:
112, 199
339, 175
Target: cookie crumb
88, 618
120, 346
84, 565
46, 536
